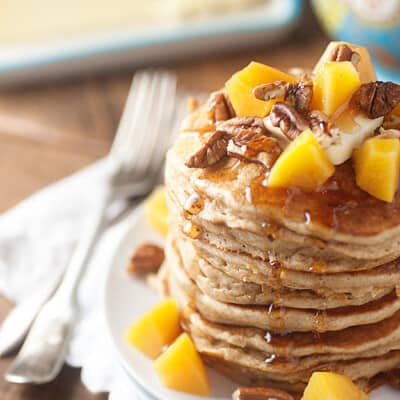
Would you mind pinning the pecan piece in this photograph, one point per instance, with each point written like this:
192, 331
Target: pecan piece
323, 128
258, 148
219, 108
376, 99
298, 95
239, 126
393, 377
342, 52
288, 119
210, 152
260, 393
272, 90
146, 259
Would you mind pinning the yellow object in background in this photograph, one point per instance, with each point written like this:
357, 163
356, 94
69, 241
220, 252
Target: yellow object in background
156, 211
303, 164
157, 328
23, 21
334, 84
181, 368
331, 386
377, 167
241, 85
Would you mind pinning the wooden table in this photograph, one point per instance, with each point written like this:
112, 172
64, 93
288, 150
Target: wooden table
51, 130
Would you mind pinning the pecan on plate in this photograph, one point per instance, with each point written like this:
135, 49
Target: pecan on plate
146, 259
393, 377
260, 393
219, 107
298, 95
210, 152
342, 52
288, 119
376, 99
323, 128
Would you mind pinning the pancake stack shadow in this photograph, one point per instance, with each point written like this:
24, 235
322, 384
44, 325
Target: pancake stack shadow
274, 285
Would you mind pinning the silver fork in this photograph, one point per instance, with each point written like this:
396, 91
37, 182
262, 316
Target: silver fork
134, 163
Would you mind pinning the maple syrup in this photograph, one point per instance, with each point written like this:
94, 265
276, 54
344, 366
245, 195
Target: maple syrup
191, 229
194, 204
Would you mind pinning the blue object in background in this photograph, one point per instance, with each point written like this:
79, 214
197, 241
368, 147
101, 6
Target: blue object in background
374, 24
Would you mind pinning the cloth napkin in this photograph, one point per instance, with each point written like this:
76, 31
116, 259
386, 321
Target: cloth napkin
37, 238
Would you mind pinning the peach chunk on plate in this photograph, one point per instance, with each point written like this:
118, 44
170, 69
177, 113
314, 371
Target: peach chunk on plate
331, 386
156, 329
303, 164
156, 211
240, 87
181, 368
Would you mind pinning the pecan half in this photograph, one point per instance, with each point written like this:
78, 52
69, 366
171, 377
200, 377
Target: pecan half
272, 90
376, 99
260, 393
256, 147
342, 52
288, 119
393, 377
210, 152
146, 259
323, 128
298, 95
219, 108
240, 126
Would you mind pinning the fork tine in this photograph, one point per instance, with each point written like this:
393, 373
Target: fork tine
163, 127
130, 112
155, 120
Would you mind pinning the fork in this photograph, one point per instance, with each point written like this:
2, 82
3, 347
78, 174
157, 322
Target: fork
133, 165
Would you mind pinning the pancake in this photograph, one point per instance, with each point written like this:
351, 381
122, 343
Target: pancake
276, 283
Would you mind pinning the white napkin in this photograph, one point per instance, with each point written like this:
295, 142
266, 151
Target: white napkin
36, 240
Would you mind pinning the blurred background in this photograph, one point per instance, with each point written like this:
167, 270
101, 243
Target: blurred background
66, 66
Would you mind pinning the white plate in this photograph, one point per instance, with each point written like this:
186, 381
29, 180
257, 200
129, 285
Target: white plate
126, 299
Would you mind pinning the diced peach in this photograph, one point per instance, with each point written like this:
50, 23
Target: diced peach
155, 329
377, 167
156, 211
303, 164
241, 85
333, 85
365, 67
181, 368
331, 386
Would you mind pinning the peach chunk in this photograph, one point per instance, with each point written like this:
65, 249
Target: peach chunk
303, 164
241, 85
377, 167
333, 85
155, 329
364, 67
331, 386
181, 368
156, 211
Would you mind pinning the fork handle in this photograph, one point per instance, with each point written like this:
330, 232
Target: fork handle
82, 251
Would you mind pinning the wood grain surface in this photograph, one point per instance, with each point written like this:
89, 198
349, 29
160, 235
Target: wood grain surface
51, 130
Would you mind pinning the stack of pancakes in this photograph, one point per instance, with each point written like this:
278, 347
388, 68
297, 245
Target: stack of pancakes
277, 283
